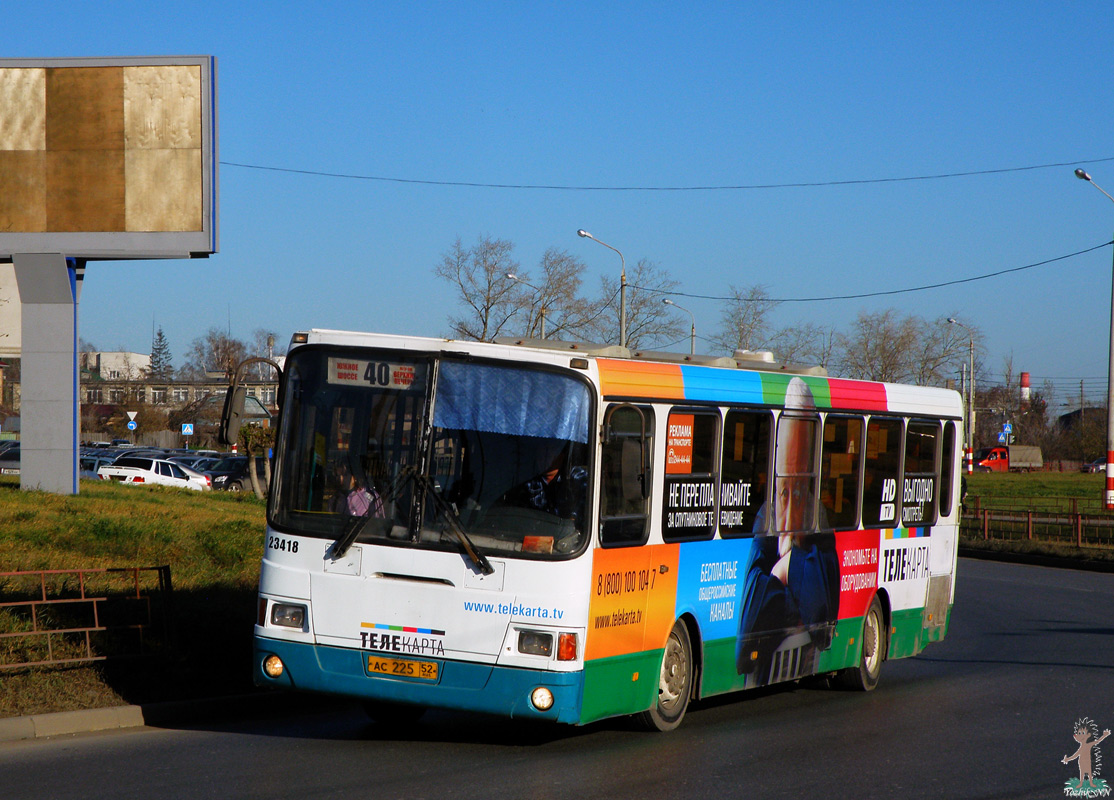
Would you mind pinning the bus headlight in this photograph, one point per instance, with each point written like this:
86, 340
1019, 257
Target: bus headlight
542, 698
535, 643
288, 615
273, 667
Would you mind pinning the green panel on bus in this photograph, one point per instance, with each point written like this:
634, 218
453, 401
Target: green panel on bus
618, 685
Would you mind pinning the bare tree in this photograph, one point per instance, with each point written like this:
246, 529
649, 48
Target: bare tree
553, 305
479, 275
878, 347
887, 347
216, 351
744, 323
940, 350
265, 344
806, 343
649, 325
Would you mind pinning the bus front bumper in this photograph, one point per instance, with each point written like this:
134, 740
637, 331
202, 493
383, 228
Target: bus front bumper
459, 684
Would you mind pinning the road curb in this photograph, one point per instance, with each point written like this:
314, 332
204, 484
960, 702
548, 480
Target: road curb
37, 726
68, 723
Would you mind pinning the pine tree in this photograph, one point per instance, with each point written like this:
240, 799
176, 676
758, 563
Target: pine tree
161, 366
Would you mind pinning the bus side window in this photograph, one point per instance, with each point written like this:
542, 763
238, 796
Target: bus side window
689, 503
947, 469
625, 475
840, 461
745, 470
881, 472
795, 475
919, 486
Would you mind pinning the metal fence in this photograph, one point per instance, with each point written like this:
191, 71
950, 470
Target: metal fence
1043, 521
58, 617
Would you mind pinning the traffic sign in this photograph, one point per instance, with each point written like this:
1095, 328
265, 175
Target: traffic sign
187, 429
1002, 438
1007, 427
131, 414
131, 425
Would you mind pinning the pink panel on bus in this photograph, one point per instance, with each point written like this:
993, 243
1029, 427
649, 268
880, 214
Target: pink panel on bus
857, 395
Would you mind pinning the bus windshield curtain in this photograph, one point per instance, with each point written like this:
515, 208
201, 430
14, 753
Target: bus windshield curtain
517, 402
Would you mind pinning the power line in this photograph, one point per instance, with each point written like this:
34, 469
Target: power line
883, 293
709, 188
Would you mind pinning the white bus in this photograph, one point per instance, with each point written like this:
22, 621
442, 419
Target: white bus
569, 532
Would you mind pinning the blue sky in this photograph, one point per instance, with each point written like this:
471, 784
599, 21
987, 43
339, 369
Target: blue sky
635, 95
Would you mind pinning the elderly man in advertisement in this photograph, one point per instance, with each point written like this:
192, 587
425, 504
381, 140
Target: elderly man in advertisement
792, 581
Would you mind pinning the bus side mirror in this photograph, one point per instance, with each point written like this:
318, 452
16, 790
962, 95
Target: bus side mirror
232, 416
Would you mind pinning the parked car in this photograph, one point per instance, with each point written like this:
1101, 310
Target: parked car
160, 453
1098, 465
190, 461
154, 471
231, 474
88, 466
9, 462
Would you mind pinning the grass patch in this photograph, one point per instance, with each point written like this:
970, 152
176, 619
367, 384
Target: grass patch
1054, 491
213, 542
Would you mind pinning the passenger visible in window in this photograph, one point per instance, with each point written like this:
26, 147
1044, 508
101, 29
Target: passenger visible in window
558, 490
792, 581
354, 498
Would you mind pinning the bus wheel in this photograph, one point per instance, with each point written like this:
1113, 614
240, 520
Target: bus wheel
865, 676
674, 684
387, 713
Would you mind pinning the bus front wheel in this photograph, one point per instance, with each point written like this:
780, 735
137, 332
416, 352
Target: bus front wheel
865, 676
674, 683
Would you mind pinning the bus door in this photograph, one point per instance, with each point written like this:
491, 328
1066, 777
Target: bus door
633, 587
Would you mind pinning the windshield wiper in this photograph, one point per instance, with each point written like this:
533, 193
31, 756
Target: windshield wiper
448, 513
355, 526
352, 530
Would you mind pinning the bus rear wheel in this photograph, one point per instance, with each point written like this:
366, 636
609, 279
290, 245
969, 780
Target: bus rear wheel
674, 683
865, 676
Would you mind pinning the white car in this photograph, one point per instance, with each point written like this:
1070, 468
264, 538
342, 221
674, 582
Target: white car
154, 471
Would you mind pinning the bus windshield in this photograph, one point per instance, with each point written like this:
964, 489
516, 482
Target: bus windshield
382, 447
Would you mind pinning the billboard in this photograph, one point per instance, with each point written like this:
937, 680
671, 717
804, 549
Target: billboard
108, 158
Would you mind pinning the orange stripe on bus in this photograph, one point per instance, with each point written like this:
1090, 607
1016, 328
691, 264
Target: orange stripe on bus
638, 379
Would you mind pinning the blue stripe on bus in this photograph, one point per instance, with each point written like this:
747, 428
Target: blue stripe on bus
721, 386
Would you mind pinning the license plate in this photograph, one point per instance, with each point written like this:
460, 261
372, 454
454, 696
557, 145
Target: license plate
402, 668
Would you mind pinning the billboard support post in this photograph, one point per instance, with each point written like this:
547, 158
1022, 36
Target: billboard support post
49, 290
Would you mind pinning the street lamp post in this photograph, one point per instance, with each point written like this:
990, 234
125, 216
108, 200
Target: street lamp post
692, 337
622, 286
1108, 491
516, 279
970, 398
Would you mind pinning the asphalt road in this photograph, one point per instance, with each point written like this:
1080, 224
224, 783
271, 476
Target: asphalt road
989, 712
